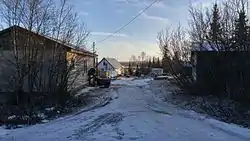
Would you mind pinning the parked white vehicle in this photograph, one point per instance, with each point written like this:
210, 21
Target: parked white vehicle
156, 71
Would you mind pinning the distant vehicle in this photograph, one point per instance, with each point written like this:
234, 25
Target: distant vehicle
156, 72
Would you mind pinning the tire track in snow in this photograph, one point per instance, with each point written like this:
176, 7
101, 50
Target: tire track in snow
112, 119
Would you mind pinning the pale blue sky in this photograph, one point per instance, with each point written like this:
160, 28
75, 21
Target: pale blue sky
103, 17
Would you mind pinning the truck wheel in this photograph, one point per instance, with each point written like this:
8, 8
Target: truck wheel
106, 86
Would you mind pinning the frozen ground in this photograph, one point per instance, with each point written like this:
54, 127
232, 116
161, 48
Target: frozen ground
135, 113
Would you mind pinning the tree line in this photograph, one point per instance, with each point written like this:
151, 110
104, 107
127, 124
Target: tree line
143, 63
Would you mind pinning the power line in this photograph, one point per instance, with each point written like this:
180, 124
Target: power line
122, 27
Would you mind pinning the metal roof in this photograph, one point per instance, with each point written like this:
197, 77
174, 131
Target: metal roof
206, 47
68, 45
114, 63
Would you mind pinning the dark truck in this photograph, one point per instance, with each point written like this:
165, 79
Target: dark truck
98, 80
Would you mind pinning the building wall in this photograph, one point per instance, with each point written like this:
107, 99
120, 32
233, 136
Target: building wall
105, 68
48, 60
7, 68
104, 65
119, 71
156, 71
224, 73
82, 64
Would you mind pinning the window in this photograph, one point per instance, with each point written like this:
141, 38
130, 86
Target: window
104, 64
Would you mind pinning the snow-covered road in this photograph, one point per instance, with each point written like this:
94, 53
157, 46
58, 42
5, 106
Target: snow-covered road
135, 113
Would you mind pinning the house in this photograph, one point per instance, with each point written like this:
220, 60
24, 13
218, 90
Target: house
33, 62
198, 51
110, 66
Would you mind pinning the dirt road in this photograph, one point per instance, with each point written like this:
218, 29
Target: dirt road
135, 113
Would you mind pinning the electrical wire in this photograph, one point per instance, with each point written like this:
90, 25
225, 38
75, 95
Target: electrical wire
133, 19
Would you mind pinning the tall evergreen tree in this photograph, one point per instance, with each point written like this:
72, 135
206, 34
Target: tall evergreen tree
214, 35
153, 63
248, 38
158, 64
130, 69
149, 63
241, 32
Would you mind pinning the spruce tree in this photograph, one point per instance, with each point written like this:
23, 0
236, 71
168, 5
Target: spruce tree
240, 32
149, 63
153, 63
158, 63
214, 35
130, 69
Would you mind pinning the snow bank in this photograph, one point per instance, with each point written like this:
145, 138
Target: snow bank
45, 121
11, 117
124, 78
192, 114
41, 115
230, 128
50, 109
85, 90
160, 77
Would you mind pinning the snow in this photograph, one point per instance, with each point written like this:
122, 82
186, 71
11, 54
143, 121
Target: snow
41, 115
3, 132
12, 117
232, 129
135, 113
128, 79
133, 82
162, 76
50, 109
206, 47
85, 90
45, 121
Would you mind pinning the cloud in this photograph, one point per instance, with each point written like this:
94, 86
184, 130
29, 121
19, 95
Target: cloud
122, 1
108, 34
205, 3
145, 15
159, 5
143, 3
127, 1
82, 13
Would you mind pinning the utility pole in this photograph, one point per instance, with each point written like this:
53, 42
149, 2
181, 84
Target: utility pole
94, 60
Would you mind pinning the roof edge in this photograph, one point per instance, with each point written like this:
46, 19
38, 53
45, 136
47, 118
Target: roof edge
48, 38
